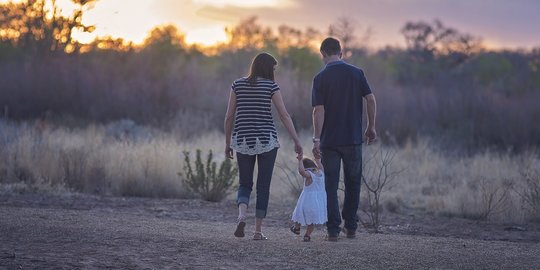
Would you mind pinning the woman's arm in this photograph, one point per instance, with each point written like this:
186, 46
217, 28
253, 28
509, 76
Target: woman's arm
228, 123
277, 99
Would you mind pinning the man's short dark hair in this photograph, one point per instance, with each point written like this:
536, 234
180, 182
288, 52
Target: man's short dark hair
330, 46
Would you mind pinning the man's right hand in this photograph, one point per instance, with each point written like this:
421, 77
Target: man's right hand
371, 135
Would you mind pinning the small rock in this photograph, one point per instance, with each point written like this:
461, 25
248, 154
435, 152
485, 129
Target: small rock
8, 255
515, 229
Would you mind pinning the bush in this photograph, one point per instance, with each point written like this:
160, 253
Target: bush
529, 191
291, 177
211, 186
377, 174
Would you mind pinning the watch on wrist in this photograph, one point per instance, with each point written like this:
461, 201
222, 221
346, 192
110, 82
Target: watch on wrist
315, 140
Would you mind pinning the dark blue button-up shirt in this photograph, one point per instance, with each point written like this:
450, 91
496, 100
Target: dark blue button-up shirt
340, 88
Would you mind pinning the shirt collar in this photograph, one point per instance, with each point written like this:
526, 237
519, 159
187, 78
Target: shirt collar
335, 63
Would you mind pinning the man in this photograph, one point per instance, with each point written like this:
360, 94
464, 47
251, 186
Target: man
337, 98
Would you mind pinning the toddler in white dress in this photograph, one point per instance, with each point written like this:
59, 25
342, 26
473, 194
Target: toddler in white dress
311, 206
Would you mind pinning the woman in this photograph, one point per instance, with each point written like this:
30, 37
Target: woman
254, 136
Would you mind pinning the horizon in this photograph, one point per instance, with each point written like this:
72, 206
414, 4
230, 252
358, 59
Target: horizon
500, 25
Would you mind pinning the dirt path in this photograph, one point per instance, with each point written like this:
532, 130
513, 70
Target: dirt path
114, 233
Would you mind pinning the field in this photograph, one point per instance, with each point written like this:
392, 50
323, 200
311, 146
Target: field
71, 231
98, 138
123, 159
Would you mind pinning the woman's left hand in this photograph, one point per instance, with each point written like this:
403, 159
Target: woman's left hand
298, 149
229, 152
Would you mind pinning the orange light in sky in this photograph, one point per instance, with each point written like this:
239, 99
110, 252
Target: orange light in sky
204, 21
132, 20
245, 3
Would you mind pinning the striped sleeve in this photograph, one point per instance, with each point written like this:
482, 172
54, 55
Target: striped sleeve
275, 87
233, 86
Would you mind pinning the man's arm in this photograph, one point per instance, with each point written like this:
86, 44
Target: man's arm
371, 133
318, 121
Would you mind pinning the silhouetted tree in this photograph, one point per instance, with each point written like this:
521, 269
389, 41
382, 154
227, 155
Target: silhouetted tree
291, 37
345, 30
108, 43
248, 34
426, 40
37, 26
165, 36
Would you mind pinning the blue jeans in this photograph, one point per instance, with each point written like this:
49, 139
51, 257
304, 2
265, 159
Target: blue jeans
352, 170
265, 167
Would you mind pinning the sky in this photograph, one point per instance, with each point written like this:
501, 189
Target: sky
500, 23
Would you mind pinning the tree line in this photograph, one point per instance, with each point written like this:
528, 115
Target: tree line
444, 84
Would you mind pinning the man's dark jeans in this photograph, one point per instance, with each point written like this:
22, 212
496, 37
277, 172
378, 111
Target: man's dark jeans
265, 167
352, 169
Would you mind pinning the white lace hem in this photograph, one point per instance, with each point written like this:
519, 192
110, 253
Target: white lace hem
259, 148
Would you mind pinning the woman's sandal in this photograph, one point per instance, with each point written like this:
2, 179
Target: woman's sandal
295, 230
307, 238
240, 227
259, 236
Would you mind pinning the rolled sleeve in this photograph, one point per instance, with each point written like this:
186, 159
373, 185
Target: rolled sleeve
317, 95
364, 85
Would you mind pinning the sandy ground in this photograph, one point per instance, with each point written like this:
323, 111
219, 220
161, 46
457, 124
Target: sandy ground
86, 232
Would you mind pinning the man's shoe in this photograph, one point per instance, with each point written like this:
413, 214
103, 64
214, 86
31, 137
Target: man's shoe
349, 233
331, 238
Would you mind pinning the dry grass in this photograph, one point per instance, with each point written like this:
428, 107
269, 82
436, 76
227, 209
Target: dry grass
128, 160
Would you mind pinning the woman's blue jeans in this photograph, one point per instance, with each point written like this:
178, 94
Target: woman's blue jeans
265, 167
352, 170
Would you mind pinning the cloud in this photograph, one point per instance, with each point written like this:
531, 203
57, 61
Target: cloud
507, 23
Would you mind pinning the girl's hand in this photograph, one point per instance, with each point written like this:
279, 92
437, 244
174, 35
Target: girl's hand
229, 152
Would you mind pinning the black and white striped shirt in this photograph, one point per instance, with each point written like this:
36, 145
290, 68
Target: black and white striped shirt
254, 131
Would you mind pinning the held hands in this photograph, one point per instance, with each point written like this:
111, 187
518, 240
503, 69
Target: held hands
316, 150
298, 150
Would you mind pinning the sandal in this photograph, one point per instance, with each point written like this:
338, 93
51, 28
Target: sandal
240, 227
307, 238
259, 236
295, 230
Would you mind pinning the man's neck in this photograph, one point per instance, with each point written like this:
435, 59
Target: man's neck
332, 58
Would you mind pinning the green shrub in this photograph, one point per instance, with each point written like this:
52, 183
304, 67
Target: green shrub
205, 180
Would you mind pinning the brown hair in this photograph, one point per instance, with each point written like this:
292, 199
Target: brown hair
330, 46
308, 163
262, 66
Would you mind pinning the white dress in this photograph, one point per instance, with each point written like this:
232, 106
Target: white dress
311, 205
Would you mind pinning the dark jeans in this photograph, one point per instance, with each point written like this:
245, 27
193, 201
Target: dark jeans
265, 167
352, 170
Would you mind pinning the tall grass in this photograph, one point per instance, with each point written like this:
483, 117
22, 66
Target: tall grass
116, 159
124, 159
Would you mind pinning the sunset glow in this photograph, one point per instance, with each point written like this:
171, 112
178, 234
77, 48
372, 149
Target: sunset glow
207, 36
501, 24
245, 3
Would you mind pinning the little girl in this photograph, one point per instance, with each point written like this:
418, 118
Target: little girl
311, 206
